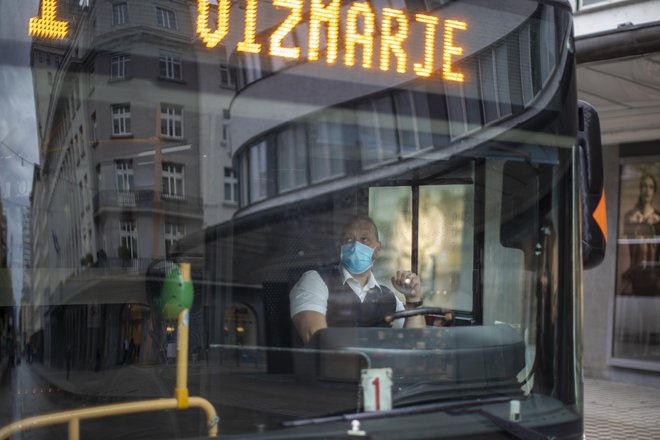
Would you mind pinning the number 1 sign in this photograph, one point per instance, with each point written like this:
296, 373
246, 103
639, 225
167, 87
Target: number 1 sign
377, 389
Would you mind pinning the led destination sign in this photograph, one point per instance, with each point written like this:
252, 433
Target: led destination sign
360, 30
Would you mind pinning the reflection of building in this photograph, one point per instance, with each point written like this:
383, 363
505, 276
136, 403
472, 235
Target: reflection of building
123, 159
27, 316
3, 237
618, 52
7, 329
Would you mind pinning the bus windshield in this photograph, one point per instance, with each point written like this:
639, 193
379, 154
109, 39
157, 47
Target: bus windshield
315, 219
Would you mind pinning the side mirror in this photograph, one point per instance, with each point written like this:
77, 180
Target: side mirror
592, 191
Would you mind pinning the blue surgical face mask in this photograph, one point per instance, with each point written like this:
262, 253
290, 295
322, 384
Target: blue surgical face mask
356, 257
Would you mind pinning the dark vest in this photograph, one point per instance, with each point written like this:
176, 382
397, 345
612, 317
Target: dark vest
345, 308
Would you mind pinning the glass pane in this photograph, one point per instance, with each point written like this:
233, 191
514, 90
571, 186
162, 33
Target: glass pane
391, 210
636, 324
384, 108
292, 158
367, 134
363, 193
329, 137
258, 180
446, 243
405, 121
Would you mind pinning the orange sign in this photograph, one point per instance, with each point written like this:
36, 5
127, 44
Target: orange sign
360, 30
47, 26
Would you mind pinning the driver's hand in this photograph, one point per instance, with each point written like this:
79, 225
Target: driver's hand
409, 284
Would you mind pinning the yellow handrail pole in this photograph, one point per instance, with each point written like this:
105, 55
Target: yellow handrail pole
74, 429
110, 410
181, 390
211, 415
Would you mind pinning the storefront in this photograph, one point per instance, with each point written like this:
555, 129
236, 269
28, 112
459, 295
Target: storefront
619, 73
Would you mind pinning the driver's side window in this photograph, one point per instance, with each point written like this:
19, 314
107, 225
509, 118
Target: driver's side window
429, 229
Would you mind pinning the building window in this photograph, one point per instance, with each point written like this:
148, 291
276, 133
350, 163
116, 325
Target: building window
165, 18
83, 145
377, 131
171, 121
225, 128
94, 128
328, 137
90, 78
413, 120
226, 72
124, 175
50, 79
119, 66
172, 176
86, 193
243, 177
170, 66
173, 233
125, 194
99, 176
121, 120
231, 186
258, 172
584, 3
249, 67
292, 158
128, 236
119, 13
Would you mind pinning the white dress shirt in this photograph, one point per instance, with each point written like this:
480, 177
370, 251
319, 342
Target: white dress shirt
310, 293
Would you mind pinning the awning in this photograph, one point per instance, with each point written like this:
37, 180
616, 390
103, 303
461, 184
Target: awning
619, 74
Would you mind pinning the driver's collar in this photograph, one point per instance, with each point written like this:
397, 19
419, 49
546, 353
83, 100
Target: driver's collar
347, 277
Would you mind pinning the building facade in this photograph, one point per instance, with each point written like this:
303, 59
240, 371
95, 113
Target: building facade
618, 57
124, 158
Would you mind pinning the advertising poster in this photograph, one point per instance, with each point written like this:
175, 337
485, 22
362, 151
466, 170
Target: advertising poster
637, 327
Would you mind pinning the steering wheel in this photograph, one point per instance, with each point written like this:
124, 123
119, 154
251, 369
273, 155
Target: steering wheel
446, 316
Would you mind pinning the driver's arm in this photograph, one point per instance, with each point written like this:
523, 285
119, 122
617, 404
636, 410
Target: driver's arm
307, 323
309, 299
415, 322
409, 284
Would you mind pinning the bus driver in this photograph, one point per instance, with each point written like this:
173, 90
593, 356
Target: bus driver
349, 295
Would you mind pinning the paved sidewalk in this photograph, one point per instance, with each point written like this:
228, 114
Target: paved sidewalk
620, 411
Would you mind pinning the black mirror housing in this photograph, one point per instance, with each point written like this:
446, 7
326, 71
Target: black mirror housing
591, 187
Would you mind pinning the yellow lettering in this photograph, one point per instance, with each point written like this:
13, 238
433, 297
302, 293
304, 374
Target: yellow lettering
451, 50
431, 22
249, 43
366, 38
391, 42
47, 26
330, 15
211, 39
291, 21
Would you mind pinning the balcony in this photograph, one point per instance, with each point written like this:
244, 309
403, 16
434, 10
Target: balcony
146, 200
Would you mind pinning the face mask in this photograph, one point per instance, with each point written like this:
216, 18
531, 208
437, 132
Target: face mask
356, 257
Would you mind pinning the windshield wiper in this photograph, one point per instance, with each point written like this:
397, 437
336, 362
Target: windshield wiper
399, 412
453, 408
